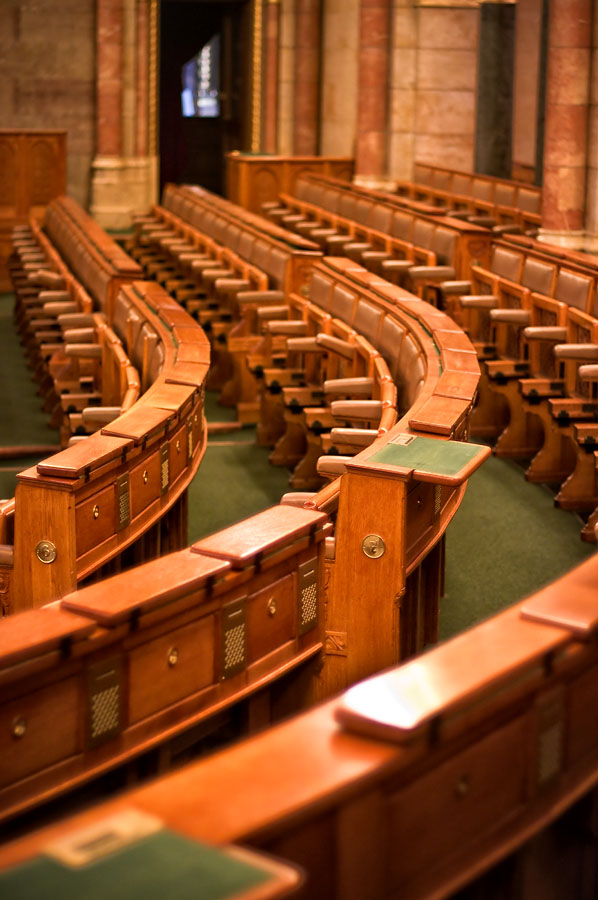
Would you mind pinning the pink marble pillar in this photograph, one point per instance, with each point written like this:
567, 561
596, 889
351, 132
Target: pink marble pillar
109, 83
372, 108
271, 86
307, 77
566, 127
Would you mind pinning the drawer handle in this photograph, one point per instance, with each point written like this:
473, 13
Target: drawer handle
96, 511
272, 606
462, 786
173, 657
145, 477
19, 727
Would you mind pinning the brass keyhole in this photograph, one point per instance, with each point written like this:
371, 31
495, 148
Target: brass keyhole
96, 511
173, 657
19, 727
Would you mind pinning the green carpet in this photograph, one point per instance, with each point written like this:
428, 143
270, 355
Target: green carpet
22, 420
506, 541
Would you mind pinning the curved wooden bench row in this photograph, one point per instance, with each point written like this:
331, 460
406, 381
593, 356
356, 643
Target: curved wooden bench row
503, 200
121, 666
533, 318
486, 743
361, 222
79, 509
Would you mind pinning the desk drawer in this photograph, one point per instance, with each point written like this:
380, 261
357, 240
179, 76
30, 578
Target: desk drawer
178, 453
171, 667
145, 482
271, 617
39, 730
95, 519
463, 799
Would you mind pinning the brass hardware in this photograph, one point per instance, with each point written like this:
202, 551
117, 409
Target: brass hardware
233, 638
419, 501
164, 468
96, 511
145, 476
173, 657
104, 701
271, 606
307, 595
462, 786
373, 546
46, 552
19, 727
178, 446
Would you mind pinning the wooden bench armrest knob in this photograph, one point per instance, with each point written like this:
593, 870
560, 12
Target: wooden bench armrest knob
545, 333
358, 387
576, 351
511, 316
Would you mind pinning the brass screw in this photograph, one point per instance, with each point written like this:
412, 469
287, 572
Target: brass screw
173, 657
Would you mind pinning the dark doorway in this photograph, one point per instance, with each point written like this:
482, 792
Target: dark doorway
192, 148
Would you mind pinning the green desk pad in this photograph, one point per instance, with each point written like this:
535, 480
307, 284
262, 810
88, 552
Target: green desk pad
429, 455
163, 866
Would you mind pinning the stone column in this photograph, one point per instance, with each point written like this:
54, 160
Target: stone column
271, 87
373, 92
566, 129
307, 77
125, 167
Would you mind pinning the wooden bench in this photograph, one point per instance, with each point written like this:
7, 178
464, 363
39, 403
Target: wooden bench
489, 732
501, 200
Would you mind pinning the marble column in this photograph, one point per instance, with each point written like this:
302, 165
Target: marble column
124, 169
373, 91
566, 129
271, 87
307, 77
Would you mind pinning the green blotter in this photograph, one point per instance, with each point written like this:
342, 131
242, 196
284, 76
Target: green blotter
163, 866
428, 455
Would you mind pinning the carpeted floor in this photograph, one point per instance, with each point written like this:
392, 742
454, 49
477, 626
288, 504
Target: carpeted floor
506, 540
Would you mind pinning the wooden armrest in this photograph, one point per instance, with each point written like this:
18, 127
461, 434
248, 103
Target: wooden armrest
455, 287
332, 466
355, 437
263, 298
304, 345
479, 301
224, 285
337, 345
56, 308
511, 316
75, 320
272, 312
355, 386
356, 409
588, 373
576, 351
79, 335
85, 351
419, 273
545, 333
287, 326
397, 265
53, 296
99, 415
47, 278
296, 498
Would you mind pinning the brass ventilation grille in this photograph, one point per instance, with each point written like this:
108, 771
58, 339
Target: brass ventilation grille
308, 594
164, 469
234, 638
104, 701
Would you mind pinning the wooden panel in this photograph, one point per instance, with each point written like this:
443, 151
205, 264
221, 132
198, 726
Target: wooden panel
145, 483
95, 519
178, 452
171, 667
475, 790
47, 722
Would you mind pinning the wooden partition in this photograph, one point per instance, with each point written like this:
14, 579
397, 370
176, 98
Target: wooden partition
253, 179
33, 164
452, 770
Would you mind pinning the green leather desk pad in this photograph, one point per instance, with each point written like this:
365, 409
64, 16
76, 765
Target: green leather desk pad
431, 456
163, 866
